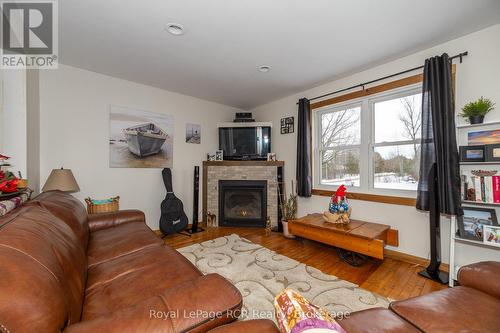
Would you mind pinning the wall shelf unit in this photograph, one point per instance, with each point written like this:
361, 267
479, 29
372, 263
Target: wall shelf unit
467, 126
454, 236
475, 242
470, 202
479, 163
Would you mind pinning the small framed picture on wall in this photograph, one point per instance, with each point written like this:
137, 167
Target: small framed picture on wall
287, 125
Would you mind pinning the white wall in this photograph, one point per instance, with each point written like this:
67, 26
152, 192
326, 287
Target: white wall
14, 118
74, 125
477, 76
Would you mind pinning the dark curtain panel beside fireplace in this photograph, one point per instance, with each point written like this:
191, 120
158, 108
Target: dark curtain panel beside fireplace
439, 185
304, 177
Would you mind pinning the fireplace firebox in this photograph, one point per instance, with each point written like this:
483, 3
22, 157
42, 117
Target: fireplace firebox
242, 203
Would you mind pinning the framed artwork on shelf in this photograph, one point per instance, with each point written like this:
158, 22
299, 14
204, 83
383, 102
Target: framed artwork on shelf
483, 137
492, 153
472, 153
287, 125
470, 225
491, 235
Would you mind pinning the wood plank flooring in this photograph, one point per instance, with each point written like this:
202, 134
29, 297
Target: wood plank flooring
391, 278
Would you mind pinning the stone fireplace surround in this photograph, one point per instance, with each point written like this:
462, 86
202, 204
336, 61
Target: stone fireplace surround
213, 171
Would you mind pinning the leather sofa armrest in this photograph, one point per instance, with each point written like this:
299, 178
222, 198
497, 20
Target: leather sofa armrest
108, 220
248, 326
193, 306
482, 276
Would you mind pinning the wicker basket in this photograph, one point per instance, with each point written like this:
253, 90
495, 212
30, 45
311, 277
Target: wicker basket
112, 206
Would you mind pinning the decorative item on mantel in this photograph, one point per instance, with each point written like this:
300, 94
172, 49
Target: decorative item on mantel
338, 210
288, 208
475, 111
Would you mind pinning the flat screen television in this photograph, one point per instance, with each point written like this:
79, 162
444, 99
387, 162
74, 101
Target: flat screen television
245, 143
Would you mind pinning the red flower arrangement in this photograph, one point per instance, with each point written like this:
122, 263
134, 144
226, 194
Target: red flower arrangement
8, 182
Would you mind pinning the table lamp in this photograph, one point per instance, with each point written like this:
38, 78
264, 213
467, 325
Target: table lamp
61, 179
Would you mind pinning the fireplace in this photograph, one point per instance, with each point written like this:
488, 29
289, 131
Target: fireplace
242, 203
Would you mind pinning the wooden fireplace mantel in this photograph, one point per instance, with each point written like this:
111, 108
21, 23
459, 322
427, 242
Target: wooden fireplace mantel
243, 163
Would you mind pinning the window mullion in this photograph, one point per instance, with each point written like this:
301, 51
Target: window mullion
364, 160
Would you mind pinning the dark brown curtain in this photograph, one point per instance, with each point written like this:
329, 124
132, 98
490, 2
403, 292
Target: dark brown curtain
304, 177
439, 162
439, 184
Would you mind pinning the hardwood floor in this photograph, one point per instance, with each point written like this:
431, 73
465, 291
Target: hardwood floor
391, 278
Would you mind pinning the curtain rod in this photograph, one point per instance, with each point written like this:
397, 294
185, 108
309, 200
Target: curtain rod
362, 85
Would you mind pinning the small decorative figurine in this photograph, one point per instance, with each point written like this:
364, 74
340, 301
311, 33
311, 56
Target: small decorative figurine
338, 210
211, 220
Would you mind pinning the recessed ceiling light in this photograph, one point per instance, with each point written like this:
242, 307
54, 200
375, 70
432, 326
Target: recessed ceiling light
175, 29
264, 68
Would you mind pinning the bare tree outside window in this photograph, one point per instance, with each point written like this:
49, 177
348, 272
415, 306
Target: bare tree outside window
411, 117
340, 130
398, 123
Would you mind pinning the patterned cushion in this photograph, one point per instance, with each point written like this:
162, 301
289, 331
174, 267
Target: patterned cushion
10, 204
296, 315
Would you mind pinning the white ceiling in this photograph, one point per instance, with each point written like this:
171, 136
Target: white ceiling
306, 42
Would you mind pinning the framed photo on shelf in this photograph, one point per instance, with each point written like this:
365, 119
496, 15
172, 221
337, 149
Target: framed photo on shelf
492, 153
470, 225
219, 155
472, 153
491, 235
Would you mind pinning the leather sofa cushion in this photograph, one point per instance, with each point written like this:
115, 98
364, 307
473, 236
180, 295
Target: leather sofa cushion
481, 276
256, 325
48, 271
378, 320
132, 278
120, 240
459, 309
194, 306
68, 209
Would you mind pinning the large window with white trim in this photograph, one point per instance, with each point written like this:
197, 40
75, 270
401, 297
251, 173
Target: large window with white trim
371, 144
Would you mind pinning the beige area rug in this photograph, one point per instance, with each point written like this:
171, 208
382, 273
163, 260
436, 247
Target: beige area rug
260, 274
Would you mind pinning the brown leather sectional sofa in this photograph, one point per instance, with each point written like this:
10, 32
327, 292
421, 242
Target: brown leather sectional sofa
63, 271
473, 307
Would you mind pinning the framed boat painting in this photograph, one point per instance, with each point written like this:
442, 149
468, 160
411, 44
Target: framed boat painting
140, 139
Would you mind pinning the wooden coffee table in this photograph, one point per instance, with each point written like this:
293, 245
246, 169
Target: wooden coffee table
360, 237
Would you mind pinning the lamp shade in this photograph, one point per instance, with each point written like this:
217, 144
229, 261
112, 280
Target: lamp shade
61, 179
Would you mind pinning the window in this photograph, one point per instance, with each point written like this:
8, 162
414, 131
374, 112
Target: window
340, 138
371, 144
396, 157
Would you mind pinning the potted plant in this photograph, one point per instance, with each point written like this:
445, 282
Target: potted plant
288, 207
475, 111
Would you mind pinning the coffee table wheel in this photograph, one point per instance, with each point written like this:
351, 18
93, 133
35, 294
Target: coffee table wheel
351, 258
